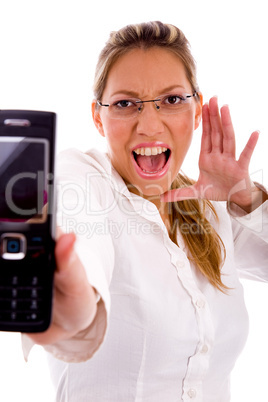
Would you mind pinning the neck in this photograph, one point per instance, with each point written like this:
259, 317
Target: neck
163, 207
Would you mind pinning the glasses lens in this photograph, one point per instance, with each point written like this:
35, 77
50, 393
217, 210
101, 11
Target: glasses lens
124, 109
173, 104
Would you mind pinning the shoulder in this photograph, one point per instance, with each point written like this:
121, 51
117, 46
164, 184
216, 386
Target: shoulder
73, 161
88, 171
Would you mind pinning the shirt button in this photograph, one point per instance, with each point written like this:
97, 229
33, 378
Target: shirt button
192, 393
200, 303
204, 349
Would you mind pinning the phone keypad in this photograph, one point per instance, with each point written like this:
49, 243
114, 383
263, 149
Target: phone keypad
21, 299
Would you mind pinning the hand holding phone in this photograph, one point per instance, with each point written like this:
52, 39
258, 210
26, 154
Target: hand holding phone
75, 300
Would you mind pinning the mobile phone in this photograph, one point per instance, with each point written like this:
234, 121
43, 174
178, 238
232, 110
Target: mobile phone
27, 210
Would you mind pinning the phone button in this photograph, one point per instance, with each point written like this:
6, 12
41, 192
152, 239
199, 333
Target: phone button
32, 317
13, 246
17, 122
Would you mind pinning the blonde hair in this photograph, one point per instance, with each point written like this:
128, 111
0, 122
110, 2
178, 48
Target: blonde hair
205, 247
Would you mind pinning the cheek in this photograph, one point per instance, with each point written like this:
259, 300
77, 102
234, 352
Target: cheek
115, 131
183, 129
182, 137
113, 135
117, 136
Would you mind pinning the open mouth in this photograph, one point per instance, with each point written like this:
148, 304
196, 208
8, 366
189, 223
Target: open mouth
151, 161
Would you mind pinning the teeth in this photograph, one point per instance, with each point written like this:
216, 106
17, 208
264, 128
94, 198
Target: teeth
150, 151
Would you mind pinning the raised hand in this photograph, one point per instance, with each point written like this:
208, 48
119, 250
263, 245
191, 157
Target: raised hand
221, 177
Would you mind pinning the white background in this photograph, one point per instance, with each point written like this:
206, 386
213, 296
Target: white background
48, 51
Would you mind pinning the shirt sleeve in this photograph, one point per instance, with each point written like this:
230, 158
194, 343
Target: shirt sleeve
251, 241
83, 201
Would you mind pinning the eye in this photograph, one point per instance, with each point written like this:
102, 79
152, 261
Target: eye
174, 100
124, 103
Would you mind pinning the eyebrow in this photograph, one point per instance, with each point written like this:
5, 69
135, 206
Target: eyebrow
136, 95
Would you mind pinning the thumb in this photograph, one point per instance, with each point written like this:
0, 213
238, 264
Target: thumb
64, 250
180, 194
70, 275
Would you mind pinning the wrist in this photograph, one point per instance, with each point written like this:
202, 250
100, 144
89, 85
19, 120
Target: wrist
257, 197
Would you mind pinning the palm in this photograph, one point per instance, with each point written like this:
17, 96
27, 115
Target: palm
222, 177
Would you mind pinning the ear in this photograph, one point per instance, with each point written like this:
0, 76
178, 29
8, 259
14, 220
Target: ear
198, 113
97, 117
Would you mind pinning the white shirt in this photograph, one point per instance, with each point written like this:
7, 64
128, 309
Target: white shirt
162, 332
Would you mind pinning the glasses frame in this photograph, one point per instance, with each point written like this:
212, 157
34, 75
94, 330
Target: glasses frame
146, 101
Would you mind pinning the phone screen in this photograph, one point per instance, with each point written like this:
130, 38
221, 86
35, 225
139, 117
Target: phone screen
23, 179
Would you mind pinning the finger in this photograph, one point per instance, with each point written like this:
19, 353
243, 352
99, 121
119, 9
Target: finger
228, 131
180, 194
216, 127
206, 134
247, 152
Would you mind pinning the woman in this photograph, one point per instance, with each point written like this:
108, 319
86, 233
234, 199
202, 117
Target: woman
148, 305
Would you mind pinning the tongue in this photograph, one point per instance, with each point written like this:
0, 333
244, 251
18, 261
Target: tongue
152, 163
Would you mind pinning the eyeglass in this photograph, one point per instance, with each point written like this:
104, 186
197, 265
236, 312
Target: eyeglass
128, 108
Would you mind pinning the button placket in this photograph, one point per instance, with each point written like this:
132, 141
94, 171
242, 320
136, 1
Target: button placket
198, 363
180, 264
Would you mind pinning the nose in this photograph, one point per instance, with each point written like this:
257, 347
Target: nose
149, 121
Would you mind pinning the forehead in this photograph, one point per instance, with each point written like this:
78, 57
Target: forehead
146, 72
